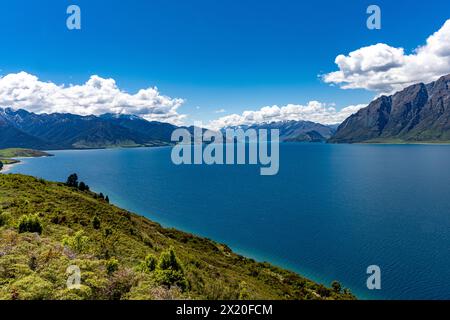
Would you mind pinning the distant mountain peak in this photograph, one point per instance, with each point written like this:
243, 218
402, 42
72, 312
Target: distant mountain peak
294, 131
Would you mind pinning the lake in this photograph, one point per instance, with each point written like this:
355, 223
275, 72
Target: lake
332, 211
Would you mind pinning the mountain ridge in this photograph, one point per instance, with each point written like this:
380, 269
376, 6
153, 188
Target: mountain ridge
24, 129
293, 130
418, 113
68, 131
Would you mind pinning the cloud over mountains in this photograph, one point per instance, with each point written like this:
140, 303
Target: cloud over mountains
96, 96
313, 111
386, 69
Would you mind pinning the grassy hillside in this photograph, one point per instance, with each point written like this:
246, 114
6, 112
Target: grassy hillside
19, 152
46, 227
6, 154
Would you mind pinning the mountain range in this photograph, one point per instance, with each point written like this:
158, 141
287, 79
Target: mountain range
23, 129
67, 131
295, 131
419, 113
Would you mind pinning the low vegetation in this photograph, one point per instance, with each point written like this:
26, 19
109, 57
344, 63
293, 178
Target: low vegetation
48, 228
7, 154
22, 153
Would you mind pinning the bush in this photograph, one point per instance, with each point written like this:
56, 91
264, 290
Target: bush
170, 271
149, 264
336, 286
171, 278
30, 223
96, 223
79, 242
5, 218
120, 284
169, 261
112, 265
31, 287
323, 291
243, 291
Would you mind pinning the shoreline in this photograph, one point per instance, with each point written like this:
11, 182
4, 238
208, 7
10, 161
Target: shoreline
8, 167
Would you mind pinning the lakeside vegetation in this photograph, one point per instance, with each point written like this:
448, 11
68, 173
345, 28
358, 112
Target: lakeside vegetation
22, 153
45, 227
7, 155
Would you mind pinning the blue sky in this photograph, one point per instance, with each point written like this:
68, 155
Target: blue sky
231, 55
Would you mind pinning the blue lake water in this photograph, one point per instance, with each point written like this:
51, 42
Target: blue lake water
332, 210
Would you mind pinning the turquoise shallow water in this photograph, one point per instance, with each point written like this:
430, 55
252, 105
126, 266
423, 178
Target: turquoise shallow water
332, 210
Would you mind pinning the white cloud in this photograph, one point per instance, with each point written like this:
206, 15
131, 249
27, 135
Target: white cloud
96, 96
220, 111
314, 111
387, 69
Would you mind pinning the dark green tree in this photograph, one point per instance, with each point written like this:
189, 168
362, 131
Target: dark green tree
96, 223
82, 186
72, 181
107, 199
336, 286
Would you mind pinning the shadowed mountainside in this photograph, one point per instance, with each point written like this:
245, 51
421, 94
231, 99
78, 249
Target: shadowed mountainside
419, 113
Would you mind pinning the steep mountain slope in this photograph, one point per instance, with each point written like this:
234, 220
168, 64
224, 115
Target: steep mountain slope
11, 137
419, 113
66, 131
46, 227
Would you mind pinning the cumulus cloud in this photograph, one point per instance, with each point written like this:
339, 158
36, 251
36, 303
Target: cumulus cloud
313, 111
387, 69
96, 96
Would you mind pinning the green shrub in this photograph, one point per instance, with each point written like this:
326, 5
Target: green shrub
171, 278
169, 271
31, 287
5, 218
243, 291
96, 223
336, 286
30, 223
78, 242
149, 264
112, 265
169, 261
